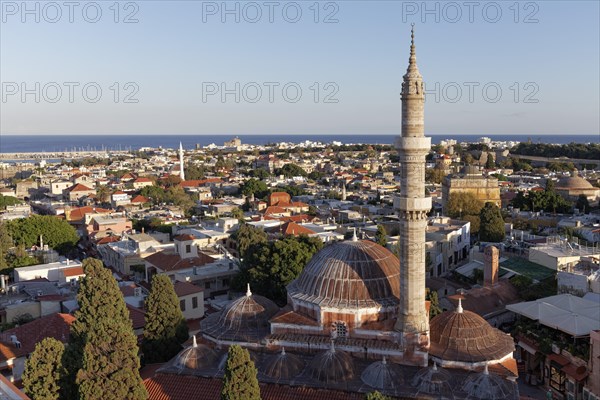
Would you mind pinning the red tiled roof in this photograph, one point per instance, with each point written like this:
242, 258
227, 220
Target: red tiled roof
108, 239
293, 229
80, 188
80, 212
169, 261
140, 199
74, 271
199, 182
184, 237
57, 326
140, 180
185, 387
119, 192
137, 317
185, 288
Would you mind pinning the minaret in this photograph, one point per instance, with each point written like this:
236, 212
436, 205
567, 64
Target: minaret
412, 206
181, 172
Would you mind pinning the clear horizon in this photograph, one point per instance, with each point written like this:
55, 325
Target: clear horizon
195, 68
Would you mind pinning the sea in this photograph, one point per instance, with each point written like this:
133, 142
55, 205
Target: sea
60, 143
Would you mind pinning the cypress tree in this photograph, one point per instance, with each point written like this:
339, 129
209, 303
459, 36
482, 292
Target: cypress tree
110, 368
44, 372
240, 382
103, 351
492, 224
165, 327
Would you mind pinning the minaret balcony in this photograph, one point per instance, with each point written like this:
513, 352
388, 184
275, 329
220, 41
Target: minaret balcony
414, 144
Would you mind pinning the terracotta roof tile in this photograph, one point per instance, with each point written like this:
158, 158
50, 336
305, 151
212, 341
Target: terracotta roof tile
186, 288
182, 387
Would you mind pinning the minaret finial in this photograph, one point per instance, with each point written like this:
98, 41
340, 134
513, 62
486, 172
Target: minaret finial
248, 292
412, 34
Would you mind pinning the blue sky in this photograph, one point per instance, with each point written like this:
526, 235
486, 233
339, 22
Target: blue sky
545, 65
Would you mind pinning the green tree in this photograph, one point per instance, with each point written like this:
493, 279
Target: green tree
460, 204
246, 236
381, 236
434, 302
376, 396
8, 201
490, 163
57, 233
435, 175
254, 187
290, 170
103, 193
582, 205
492, 224
6, 243
44, 372
270, 266
102, 356
239, 381
165, 327
155, 193
110, 367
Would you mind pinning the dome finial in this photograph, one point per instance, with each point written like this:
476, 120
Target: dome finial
194, 343
283, 351
332, 349
384, 361
485, 370
435, 366
459, 309
354, 237
248, 292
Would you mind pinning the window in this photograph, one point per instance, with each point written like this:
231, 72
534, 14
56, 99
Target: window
188, 248
206, 285
340, 329
570, 386
225, 282
182, 305
557, 379
194, 302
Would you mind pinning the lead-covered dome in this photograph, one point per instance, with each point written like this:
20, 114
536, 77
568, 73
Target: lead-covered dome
244, 319
196, 356
382, 375
283, 366
486, 386
332, 366
464, 336
349, 274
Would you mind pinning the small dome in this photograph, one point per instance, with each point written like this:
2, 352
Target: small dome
349, 274
332, 366
196, 356
283, 366
382, 375
471, 170
486, 386
244, 319
465, 336
433, 381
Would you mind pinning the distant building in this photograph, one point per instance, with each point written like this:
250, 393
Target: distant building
471, 180
573, 186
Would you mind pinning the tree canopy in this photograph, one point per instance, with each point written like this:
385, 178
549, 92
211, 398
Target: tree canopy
492, 223
8, 201
290, 170
270, 266
165, 327
239, 381
57, 233
381, 236
44, 372
254, 187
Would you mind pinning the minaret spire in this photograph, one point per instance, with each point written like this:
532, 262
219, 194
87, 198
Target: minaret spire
181, 171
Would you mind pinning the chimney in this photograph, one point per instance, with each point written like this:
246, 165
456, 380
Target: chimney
490, 266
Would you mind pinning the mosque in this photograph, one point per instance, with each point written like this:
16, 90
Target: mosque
356, 318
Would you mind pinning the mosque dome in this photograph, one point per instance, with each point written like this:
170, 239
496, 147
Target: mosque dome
486, 386
283, 366
349, 274
196, 356
332, 366
382, 375
433, 381
464, 336
573, 182
244, 319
